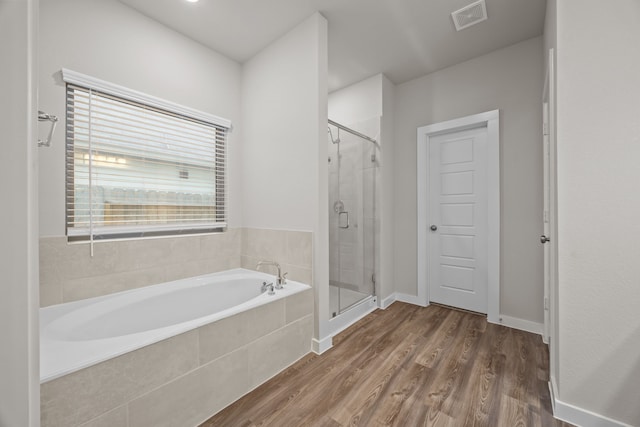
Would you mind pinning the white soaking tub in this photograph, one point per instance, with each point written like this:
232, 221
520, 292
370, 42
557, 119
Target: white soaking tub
83, 333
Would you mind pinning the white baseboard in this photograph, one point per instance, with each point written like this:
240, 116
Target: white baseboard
320, 346
409, 299
522, 324
511, 322
385, 303
578, 416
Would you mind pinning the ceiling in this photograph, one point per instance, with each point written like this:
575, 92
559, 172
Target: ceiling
403, 39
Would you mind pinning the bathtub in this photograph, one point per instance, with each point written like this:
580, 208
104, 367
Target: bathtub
83, 333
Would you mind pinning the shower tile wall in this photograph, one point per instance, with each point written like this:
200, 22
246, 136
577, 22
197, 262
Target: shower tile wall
352, 179
371, 177
348, 268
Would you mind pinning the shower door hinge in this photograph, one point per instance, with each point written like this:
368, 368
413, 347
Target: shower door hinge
373, 278
373, 158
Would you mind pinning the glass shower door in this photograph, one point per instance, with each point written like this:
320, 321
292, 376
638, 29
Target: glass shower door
351, 221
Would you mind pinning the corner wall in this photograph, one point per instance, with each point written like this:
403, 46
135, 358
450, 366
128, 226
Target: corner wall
19, 324
511, 80
284, 116
598, 124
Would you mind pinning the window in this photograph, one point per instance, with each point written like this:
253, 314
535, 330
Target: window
139, 166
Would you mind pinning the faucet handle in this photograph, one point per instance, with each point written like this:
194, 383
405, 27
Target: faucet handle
268, 287
281, 281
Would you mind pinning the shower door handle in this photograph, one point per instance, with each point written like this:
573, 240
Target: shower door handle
340, 219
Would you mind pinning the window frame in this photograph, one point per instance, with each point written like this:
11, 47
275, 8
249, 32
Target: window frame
222, 127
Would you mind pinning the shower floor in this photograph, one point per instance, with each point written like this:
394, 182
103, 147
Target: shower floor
347, 297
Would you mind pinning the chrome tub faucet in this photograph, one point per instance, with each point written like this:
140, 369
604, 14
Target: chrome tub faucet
282, 278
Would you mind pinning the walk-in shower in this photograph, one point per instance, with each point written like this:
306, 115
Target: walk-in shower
353, 169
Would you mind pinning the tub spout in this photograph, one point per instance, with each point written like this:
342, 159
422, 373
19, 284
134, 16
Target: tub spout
281, 277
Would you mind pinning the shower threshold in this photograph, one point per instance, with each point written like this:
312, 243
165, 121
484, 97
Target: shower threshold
352, 314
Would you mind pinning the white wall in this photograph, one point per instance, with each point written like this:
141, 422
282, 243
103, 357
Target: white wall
284, 116
598, 123
374, 98
110, 41
511, 80
550, 42
357, 102
279, 118
19, 356
387, 169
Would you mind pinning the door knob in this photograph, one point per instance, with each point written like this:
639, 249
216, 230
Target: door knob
544, 239
433, 228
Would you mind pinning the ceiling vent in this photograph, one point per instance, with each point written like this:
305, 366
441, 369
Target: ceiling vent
470, 15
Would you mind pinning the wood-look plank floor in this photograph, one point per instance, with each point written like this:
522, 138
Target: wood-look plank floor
409, 366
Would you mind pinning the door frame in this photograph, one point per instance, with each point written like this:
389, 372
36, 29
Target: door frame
490, 120
550, 331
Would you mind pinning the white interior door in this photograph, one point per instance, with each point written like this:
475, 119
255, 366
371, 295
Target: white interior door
458, 219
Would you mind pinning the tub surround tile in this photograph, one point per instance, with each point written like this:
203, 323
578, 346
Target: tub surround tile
115, 418
229, 334
221, 244
199, 267
291, 249
249, 263
76, 260
284, 247
298, 305
88, 287
190, 400
145, 253
295, 273
265, 319
264, 244
69, 273
50, 294
221, 337
299, 248
86, 394
298, 274
278, 350
186, 379
50, 250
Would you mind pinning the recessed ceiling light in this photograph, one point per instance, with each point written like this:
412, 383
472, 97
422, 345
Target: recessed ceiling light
192, 1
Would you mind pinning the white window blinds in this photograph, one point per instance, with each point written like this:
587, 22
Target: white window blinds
138, 170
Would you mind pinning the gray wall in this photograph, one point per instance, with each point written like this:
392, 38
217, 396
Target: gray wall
598, 125
284, 116
509, 79
110, 41
19, 367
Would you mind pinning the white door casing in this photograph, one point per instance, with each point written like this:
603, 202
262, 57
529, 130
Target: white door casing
546, 230
457, 249
549, 216
464, 270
